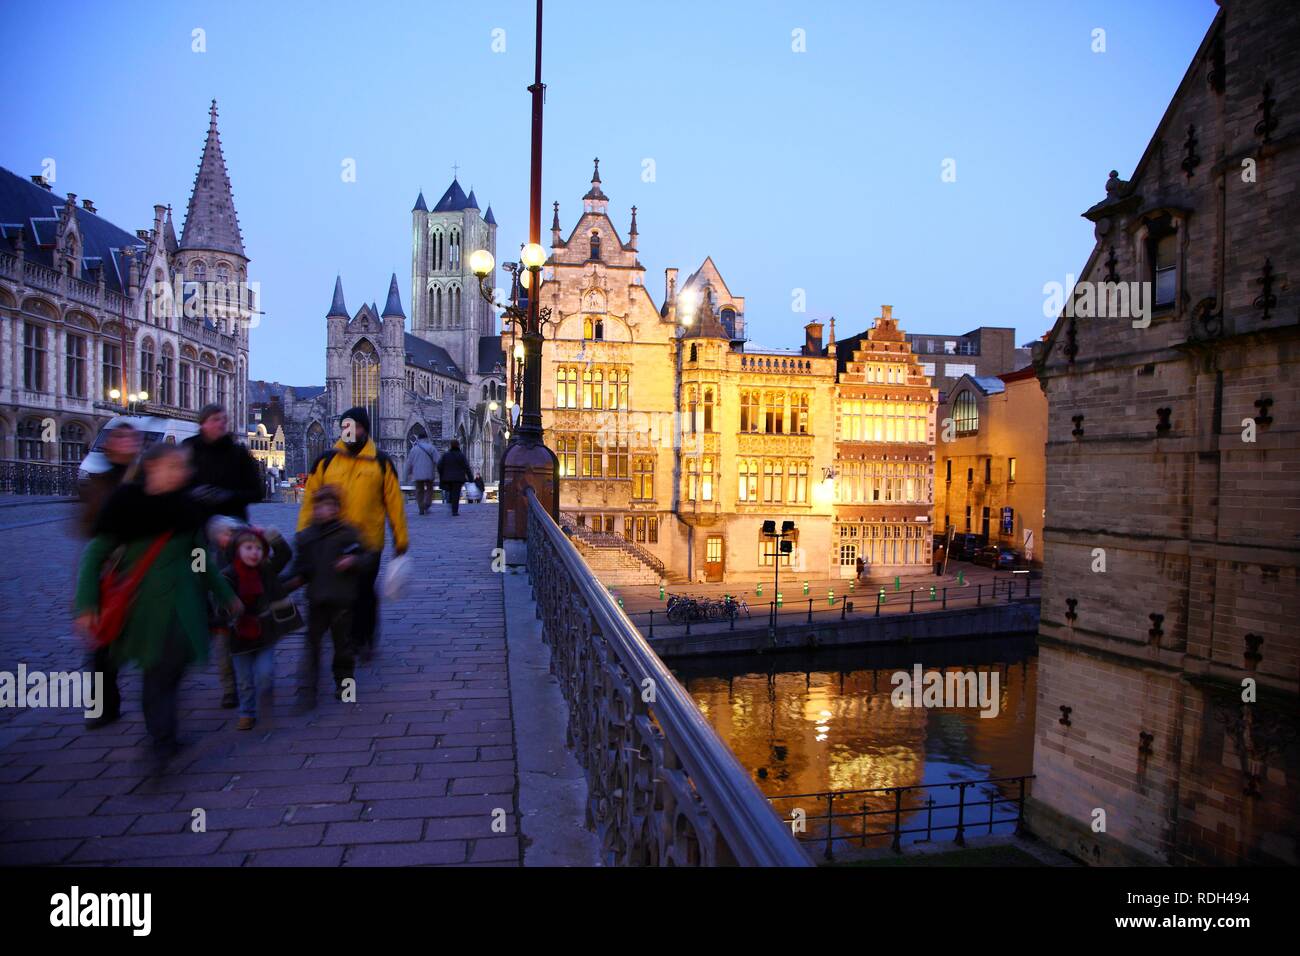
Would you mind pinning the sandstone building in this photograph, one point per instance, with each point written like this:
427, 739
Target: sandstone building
87, 308
990, 461
1168, 647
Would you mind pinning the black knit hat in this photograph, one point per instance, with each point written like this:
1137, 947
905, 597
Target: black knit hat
358, 415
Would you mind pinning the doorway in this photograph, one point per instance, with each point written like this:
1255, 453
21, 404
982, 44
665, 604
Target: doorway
713, 563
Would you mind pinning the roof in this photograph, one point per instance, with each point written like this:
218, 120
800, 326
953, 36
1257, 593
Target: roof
419, 203
490, 354
210, 221
338, 306
490, 219
433, 357
35, 210
260, 391
393, 306
987, 385
453, 199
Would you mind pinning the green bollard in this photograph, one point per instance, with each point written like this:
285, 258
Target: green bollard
961, 577
880, 598
805, 588
830, 598
898, 583
931, 592
661, 592
759, 590
620, 602
780, 599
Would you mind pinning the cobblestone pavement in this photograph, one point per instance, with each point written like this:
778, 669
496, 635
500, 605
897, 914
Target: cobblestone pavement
416, 772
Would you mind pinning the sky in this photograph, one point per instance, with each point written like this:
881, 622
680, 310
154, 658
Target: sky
803, 145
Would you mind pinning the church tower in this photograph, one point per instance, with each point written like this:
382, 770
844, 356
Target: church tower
211, 249
446, 308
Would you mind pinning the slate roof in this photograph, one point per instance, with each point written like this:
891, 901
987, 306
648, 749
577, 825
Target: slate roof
393, 306
419, 203
490, 354
211, 221
424, 354
338, 306
453, 199
490, 219
35, 210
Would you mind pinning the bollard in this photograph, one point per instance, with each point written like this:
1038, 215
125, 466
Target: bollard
758, 591
978, 589
805, 588
945, 599
852, 585
780, 599
810, 604
932, 592
880, 598
898, 582
830, 598
911, 601
961, 577
652, 622
661, 592
845, 607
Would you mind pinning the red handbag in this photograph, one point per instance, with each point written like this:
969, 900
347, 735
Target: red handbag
117, 592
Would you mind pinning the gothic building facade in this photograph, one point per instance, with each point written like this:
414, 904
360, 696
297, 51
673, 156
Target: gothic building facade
443, 380
1167, 683
92, 315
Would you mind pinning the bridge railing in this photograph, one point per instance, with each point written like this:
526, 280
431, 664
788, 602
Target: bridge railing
663, 789
19, 477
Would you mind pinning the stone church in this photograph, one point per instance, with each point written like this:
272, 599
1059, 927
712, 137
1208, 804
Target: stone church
443, 379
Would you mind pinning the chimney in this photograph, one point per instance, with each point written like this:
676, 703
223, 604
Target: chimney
88, 205
812, 338
41, 181
887, 312
142, 235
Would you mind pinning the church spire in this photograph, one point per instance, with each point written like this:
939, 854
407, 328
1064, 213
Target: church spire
595, 200
338, 306
393, 307
631, 236
555, 227
210, 221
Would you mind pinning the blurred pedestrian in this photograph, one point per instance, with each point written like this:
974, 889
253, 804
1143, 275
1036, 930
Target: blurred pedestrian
162, 616
221, 532
370, 494
453, 472
421, 461
226, 480
331, 560
256, 560
122, 447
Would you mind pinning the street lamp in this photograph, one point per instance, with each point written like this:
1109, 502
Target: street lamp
527, 461
784, 546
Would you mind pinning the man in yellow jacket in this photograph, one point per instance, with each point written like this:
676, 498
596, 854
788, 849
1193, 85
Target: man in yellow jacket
371, 493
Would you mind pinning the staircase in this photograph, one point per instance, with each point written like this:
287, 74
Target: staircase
613, 558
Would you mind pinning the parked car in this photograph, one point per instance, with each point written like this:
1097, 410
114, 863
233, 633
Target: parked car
964, 546
997, 557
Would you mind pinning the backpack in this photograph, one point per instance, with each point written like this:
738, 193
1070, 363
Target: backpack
327, 456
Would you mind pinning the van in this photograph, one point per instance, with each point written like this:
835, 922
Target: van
154, 428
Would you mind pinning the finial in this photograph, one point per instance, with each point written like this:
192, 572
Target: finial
633, 232
455, 168
595, 177
555, 223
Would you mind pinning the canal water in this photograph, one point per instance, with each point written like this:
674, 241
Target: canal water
824, 721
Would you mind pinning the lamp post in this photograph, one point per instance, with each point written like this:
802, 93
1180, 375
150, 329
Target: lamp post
784, 546
527, 462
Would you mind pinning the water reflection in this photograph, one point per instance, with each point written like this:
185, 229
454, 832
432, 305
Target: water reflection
809, 723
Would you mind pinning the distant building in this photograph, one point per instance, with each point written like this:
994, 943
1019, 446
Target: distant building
1167, 683
443, 380
884, 453
990, 461
267, 448
980, 353
88, 309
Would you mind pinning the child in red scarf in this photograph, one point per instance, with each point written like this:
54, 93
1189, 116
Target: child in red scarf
255, 561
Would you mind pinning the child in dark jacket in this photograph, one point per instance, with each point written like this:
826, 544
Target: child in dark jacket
330, 558
255, 561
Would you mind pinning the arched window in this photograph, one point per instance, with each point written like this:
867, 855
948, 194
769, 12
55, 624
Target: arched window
72, 443
729, 321
147, 369
600, 330
365, 379
588, 329
966, 413
315, 443
29, 446
437, 307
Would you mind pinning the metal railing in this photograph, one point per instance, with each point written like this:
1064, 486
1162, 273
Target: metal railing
605, 539
37, 478
998, 804
843, 606
663, 789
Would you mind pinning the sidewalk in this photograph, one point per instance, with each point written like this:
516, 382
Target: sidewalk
421, 770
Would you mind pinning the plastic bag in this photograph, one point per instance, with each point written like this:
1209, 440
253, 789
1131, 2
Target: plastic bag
397, 577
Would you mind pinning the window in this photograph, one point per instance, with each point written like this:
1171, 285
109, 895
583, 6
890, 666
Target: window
988, 471
110, 367
798, 483
33, 357
566, 388
984, 518
747, 472
774, 412
29, 440
597, 388
692, 406
586, 388
618, 458
948, 463
183, 385
706, 479
147, 369
708, 409
966, 413
567, 451
1165, 268
713, 549
848, 554
772, 479
75, 383
768, 547
205, 386
72, 443
799, 413
592, 457
749, 411
927, 368
958, 369
652, 529
1011, 469
692, 479
643, 479
365, 380
970, 476
968, 519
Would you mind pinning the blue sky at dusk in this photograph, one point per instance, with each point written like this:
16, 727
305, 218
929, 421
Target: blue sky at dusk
816, 170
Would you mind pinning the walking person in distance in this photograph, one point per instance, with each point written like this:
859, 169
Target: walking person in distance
453, 472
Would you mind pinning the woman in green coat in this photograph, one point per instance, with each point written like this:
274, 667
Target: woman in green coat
167, 626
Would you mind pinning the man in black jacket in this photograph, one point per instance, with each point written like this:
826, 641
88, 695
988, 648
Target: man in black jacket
226, 481
453, 472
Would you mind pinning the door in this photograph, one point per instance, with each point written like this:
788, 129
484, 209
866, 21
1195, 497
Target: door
713, 558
